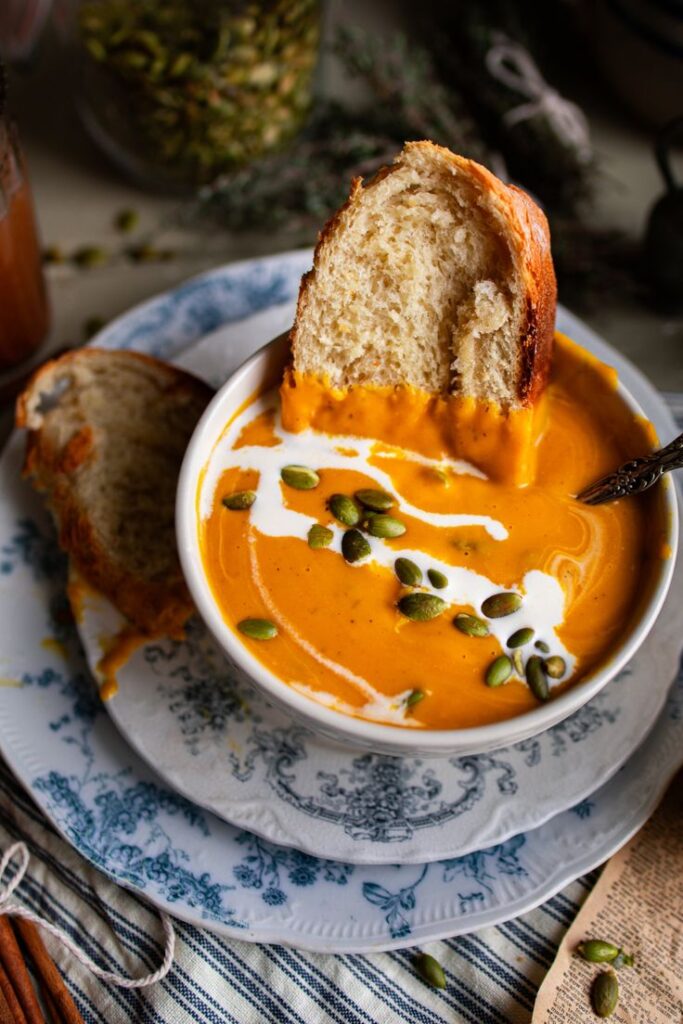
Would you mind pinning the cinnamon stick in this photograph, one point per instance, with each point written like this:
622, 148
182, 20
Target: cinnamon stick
47, 973
10, 997
52, 1011
13, 961
6, 1015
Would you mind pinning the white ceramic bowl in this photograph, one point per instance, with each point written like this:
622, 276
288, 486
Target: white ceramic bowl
263, 370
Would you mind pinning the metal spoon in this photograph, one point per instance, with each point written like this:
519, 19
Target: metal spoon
635, 476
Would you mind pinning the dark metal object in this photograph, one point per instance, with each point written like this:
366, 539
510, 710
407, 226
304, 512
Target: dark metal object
635, 476
662, 252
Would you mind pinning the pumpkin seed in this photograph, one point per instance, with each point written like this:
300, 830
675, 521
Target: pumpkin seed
354, 546
598, 951
518, 662
622, 960
258, 629
430, 970
90, 256
414, 697
536, 678
555, 667
301, 478
499, 605
542, 646
92, 326
133, 60
384, 526
378, 501
499, 671
96, 50
408, 573
126, 220
53, 254
437, 579
319, 536
344, 509
180, 65
421, 607
145, 253
605, 994
366, 517
470, 625
521, 637
239, 500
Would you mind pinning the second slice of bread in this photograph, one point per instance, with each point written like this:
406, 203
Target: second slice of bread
107, 434
434, 274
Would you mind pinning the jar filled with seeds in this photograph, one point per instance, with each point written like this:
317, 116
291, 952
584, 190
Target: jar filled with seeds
179, 92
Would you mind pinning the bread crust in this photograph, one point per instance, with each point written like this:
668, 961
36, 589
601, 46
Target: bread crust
155, 607
528, 236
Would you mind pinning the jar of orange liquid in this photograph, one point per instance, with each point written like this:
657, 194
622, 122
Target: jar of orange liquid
24, 310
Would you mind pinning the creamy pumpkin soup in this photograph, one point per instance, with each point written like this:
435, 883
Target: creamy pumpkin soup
368, 565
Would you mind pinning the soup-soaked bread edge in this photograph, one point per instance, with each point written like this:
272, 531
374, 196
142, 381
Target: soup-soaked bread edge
64, 452
514, 220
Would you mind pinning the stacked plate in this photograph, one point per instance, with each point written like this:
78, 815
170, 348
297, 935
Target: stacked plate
190, 788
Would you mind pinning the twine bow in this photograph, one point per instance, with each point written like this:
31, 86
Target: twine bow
512, 65
12, 908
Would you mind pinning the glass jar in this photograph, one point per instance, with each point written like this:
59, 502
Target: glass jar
181, 91
24, 310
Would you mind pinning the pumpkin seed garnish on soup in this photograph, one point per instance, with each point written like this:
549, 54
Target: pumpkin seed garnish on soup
471, 625
258, 629
239, 500
421, 607
499, 605
344, 509
536, 678
354, 546
437, 579
385, 526
319, 536
521, 637
378, 501
301, 478
499, 671
408, 573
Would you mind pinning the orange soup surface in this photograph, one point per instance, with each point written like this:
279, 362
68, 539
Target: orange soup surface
342, 633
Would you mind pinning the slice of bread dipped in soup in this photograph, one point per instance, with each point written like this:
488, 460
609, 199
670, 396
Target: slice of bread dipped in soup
434, 280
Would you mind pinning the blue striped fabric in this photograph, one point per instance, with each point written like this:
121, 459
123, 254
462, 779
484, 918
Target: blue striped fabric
492, 975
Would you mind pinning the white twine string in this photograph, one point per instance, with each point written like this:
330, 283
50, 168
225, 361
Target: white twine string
512, 65
11, 908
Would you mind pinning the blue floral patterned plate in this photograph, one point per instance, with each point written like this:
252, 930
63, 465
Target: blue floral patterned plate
217, 742
121, 816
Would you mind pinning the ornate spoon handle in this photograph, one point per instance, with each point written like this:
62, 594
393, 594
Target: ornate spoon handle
635, 476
